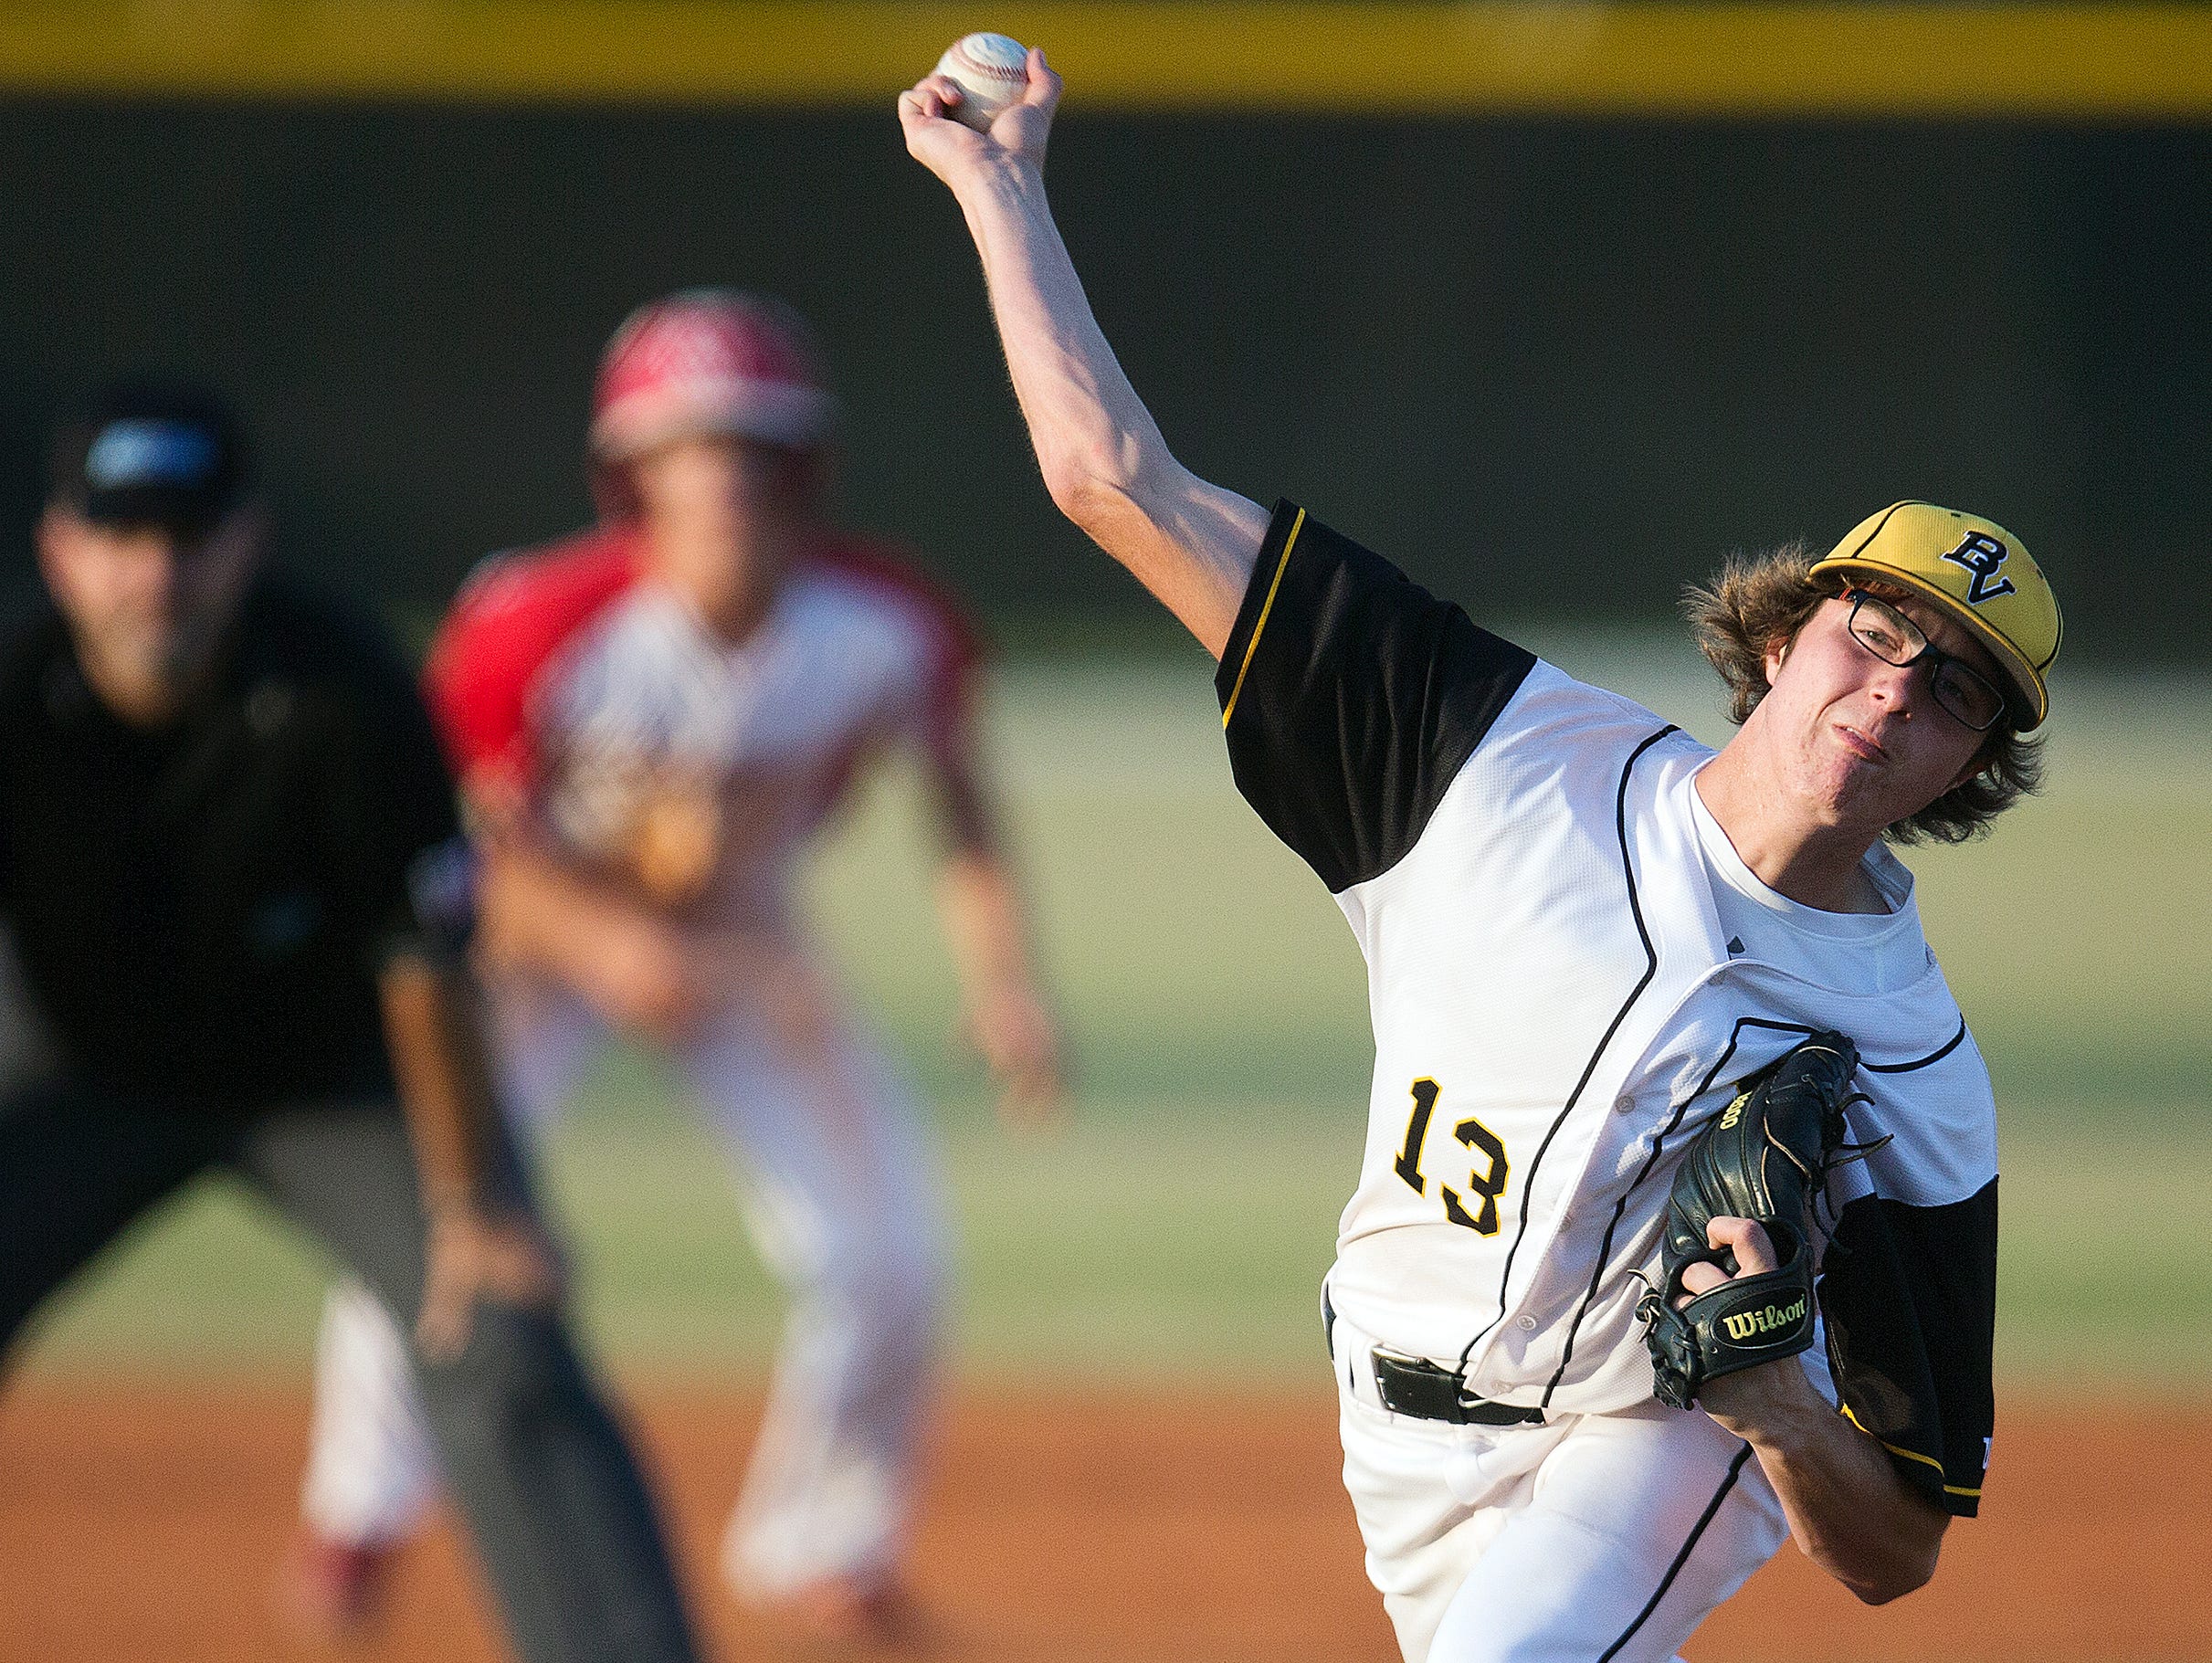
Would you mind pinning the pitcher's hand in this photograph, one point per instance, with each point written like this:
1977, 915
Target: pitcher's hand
1754, 1255
954, 153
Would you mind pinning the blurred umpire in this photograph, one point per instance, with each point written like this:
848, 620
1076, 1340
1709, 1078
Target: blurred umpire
229, 861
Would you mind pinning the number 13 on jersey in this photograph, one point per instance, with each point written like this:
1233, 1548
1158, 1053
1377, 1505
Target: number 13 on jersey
1488, 1184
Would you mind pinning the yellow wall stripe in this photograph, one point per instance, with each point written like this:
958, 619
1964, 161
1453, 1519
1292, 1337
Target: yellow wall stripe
2077, 61
1266, 607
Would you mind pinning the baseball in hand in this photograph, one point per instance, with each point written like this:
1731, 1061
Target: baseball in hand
991, 71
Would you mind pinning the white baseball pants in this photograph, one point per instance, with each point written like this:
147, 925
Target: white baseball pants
1589, 1538
839, 1190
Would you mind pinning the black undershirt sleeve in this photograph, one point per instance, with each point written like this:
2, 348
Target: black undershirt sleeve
1909, 1298
1351, 697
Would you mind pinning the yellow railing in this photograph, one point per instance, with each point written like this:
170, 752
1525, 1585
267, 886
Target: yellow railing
2070, 62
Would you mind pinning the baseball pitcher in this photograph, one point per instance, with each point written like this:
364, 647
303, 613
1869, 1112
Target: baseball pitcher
1671, 1105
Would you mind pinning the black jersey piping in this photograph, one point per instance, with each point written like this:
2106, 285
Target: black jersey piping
1933, 1058
1658, 1144
1620, 1207
1643, 932
1681, 1558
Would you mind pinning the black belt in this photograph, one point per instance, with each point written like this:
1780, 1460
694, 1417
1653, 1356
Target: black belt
1413, 1386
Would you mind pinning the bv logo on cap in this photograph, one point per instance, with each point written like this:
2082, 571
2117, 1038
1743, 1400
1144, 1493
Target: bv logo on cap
1982, 555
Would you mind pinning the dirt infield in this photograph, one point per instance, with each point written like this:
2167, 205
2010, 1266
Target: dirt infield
142, 1522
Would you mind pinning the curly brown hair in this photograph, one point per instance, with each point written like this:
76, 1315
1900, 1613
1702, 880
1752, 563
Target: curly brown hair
1756, 600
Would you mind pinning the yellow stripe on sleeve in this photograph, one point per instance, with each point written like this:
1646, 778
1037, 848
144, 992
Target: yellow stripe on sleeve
1266, 607
1909, 1455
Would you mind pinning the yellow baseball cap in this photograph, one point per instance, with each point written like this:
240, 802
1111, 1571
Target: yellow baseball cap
1975, 570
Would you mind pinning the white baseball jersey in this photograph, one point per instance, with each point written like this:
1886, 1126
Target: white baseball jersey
1558, 1010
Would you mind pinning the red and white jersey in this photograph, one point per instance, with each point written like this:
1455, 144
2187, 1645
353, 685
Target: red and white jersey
569, 678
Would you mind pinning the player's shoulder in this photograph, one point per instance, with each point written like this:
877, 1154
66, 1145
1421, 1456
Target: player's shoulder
576, 571
522, 602
888, 578
1555, 711
516, 617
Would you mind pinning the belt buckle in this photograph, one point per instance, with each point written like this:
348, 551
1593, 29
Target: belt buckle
1416, 1386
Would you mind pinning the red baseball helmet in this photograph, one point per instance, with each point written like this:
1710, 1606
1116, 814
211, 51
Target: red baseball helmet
705, 361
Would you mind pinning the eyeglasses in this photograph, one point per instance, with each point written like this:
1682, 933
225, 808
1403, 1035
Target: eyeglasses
1894, 639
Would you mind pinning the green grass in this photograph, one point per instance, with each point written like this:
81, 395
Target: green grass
1217, 1011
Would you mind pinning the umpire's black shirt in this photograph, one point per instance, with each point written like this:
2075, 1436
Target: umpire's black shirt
202, 908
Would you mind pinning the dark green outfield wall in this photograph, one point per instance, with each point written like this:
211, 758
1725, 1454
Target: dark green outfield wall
1557, 364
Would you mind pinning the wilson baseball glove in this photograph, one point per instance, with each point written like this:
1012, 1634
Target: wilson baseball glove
1765, 1159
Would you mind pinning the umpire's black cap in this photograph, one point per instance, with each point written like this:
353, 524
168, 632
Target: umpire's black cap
145, 452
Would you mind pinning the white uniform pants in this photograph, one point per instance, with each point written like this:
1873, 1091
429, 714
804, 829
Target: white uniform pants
1590, 1539
840, 1193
